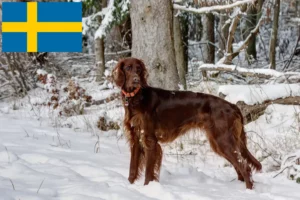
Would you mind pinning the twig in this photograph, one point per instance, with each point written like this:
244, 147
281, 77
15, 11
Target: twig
281, 171
12, 184
7, 154
97, 145
40, 186
293, 54
27, 135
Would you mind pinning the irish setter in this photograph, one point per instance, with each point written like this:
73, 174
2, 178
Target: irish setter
154, 116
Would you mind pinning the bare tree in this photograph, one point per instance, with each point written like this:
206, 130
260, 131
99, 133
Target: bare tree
274, 35
223, 31
179, 51
153, 41
99, 50
208, 21
251, 21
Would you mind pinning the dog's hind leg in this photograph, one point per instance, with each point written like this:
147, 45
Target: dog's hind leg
224, 141
239, 174
246, 153
231, 153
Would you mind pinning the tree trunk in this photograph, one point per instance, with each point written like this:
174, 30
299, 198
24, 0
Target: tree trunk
99, 50
184, 24
153, 42
259, 6
274, 35
209, 37
223, 30
179, 51
234, 24
250, 25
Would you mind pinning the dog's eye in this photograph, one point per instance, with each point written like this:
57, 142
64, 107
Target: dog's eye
138, 70
127, 68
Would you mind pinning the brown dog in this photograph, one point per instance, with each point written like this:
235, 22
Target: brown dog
154, 115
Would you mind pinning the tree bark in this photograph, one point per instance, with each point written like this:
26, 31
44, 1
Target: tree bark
259, 6
153, 42
208, 21
184, 24
99, 50
229, 50
273, 41
223, 30
250, 24
179, 51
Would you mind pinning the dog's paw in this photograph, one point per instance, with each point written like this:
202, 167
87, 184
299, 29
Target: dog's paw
131, 179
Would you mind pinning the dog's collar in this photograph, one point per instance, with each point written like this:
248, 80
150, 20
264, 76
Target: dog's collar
131, 94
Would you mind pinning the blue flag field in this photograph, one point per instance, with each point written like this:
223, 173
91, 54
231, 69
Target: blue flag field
41, 27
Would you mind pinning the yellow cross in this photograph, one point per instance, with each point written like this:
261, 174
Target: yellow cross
32, 27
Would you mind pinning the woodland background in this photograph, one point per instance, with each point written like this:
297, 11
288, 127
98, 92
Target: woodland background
245, 51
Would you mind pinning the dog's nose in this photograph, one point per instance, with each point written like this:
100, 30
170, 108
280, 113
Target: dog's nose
136, 79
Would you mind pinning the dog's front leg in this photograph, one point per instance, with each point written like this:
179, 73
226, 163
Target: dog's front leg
136, 160
153, 156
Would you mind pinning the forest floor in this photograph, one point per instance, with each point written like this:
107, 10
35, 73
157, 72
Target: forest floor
45, 157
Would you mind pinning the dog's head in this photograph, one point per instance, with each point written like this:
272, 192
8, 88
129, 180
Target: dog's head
129, 74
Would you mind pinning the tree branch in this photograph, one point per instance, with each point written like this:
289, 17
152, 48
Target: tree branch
205, 10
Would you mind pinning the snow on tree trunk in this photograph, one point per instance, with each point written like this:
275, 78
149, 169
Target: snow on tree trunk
274, 35
179, 51
153, 42
99, 50
209, 37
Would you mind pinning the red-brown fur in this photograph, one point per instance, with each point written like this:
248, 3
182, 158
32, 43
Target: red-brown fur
156, 116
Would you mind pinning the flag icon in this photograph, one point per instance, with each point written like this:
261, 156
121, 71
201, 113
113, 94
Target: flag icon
41, 27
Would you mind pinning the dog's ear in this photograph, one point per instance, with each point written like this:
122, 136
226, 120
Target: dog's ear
144, 74
118, 74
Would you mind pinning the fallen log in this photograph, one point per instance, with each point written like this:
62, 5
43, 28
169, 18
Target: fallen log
253, 112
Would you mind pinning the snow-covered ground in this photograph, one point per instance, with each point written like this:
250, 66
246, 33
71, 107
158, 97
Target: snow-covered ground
41, 160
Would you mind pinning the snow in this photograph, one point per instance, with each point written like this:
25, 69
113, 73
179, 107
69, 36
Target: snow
108, 18
277, 122
33, 159
296, 19
203, 10
41, 72
255, 94
41, 160
268, 72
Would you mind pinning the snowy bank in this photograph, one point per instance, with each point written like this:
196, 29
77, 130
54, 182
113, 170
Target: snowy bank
256, 94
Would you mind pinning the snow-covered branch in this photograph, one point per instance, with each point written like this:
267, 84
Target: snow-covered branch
297, 20
211, 8
109, 16
263, 73
107, 20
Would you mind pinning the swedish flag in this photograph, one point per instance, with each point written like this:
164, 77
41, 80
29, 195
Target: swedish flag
41, 27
